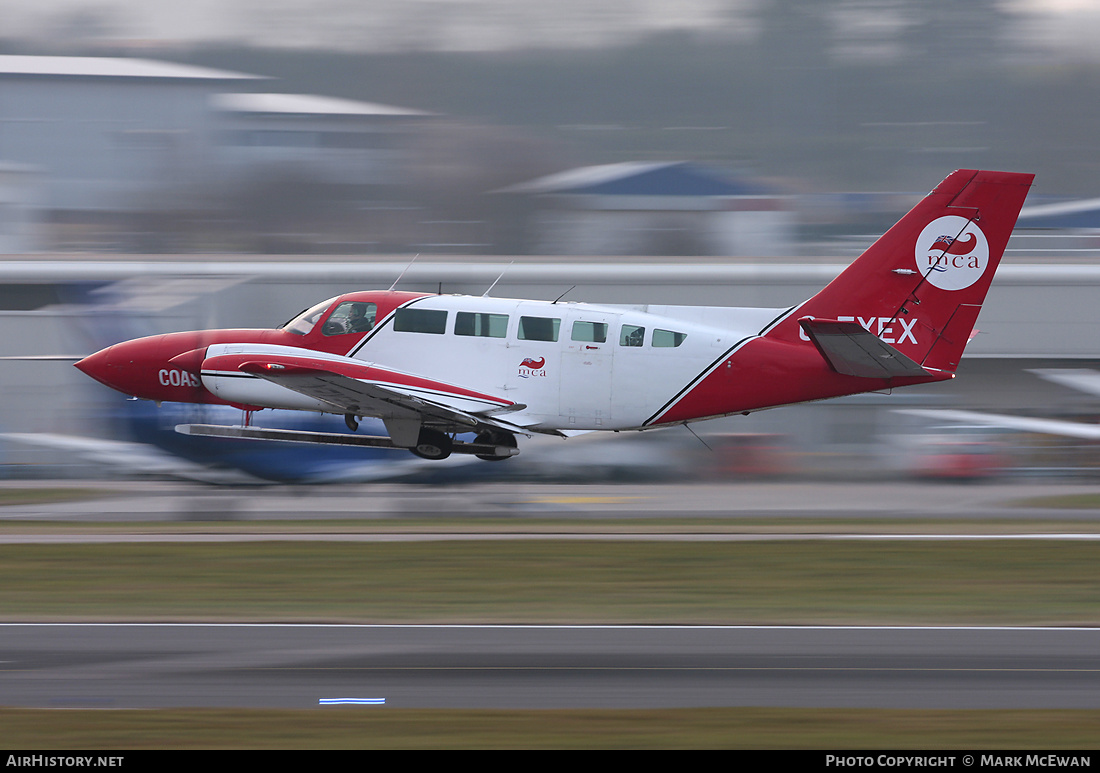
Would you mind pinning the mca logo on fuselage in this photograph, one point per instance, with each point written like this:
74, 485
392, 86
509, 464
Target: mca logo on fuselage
952, 252
532, 367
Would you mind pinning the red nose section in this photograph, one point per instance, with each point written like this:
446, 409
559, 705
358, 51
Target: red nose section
95, 365
140, 368
167, 367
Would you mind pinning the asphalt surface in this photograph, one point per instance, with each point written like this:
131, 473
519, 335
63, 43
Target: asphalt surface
137, 501
296, 666
299, 666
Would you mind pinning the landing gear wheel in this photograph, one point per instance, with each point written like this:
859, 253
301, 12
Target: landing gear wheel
506, 439
432, 444
351, 422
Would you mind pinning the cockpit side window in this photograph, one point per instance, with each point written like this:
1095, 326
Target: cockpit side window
631, 335
304, 322
351, 317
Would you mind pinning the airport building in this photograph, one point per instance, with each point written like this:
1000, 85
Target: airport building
666, 208
115, 151
106, 133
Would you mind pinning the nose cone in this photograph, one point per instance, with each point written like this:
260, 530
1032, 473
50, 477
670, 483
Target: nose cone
143, 368
130, 367
97, 366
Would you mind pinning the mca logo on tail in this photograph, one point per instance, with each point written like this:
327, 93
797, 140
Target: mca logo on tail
952, 246
952, 252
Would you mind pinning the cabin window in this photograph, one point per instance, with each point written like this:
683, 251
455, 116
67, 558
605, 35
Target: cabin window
482, 325
351, 317
413, 320
304, 322
538, 328
592, 332
631, 335
668, 338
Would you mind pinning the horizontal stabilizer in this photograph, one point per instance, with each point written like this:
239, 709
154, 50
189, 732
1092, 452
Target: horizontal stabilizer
851, 349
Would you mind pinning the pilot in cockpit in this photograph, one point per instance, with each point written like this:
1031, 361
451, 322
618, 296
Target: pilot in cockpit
358, 319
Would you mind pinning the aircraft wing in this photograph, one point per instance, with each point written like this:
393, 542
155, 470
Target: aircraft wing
375, 391
1021, 423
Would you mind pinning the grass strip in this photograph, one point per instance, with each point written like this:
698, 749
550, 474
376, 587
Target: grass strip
45, 496
990, 582
389, 728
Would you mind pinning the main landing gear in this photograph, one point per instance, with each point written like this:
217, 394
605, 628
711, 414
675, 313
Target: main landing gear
500, 439
433, 444
490, 445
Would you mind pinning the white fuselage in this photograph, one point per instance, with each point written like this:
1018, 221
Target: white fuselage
573, 382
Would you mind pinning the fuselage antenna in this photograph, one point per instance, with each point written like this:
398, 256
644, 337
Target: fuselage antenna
571, 289
494, 284
417, 255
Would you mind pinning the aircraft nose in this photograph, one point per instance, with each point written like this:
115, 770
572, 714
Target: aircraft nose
97, 366
121, 367
141, 368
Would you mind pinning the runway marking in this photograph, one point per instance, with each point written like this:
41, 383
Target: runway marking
90, 539
562, 626
854, 669
583, 500
352, 701
747, 669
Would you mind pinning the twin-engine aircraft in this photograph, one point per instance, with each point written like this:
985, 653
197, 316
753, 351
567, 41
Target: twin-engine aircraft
437, 367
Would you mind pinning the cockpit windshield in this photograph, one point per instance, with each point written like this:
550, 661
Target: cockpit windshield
304, 322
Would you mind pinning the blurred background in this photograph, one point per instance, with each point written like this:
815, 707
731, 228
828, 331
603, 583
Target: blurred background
230, 163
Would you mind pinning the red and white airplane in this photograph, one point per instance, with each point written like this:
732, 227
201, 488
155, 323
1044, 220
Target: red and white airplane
434, 367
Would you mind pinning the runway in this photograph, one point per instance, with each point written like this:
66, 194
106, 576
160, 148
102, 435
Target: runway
113, 666
143, 665
123, 501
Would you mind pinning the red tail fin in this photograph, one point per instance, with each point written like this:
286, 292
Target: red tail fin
921, 285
